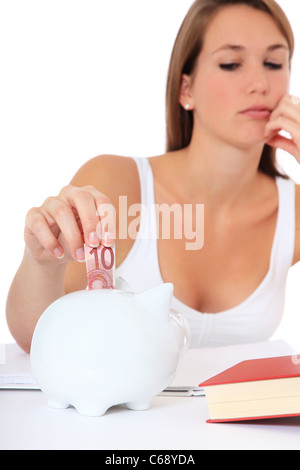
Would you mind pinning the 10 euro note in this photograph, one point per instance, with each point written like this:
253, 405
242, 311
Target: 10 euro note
100, 266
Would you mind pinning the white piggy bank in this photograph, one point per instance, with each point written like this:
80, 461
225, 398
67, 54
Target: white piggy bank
95, 349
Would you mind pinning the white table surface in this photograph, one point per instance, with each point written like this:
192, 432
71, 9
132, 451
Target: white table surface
172, 423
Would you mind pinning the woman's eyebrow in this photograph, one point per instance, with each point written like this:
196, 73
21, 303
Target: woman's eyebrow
278, 46
229, 47
236, 47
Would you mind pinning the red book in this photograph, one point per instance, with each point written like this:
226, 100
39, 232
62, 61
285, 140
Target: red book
255, 389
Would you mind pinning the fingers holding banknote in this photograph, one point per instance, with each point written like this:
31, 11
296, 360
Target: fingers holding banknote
60, 227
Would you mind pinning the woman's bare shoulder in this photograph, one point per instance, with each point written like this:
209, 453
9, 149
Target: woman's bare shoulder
113, 175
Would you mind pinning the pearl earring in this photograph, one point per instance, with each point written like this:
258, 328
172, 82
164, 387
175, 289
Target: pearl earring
187, 107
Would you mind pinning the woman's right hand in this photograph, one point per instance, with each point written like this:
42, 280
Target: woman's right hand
59, 228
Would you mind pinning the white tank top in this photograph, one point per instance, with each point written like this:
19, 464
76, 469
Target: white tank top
257, 317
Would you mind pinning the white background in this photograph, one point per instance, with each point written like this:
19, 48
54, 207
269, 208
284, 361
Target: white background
81, 78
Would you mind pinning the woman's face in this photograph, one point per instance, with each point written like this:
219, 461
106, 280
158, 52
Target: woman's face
240, 77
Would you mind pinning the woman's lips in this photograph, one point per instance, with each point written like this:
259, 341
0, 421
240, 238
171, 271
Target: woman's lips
258, 112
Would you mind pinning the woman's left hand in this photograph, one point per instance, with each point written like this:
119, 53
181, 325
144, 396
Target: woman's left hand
286, 117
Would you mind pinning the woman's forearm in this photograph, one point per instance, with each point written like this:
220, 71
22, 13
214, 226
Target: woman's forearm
35, 286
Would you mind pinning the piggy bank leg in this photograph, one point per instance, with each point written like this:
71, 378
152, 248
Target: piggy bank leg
59, 405
87, 409
139, 405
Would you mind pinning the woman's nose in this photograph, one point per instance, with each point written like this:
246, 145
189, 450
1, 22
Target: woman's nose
257, 81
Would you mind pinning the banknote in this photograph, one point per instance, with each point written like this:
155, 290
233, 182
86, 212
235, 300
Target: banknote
100, 266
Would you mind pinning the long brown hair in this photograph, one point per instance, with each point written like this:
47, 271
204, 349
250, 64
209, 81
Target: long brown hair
187, 48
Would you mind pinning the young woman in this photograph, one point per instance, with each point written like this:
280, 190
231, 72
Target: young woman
227, 100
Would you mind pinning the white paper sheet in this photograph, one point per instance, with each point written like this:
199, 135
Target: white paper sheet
198, 365
15, 371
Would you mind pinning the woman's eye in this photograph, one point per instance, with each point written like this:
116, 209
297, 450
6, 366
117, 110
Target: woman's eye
229, 67
273, 65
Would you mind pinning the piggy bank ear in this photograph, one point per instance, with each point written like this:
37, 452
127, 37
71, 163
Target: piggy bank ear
158, 299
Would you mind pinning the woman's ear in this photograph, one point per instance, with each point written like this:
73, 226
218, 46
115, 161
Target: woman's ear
185, 96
